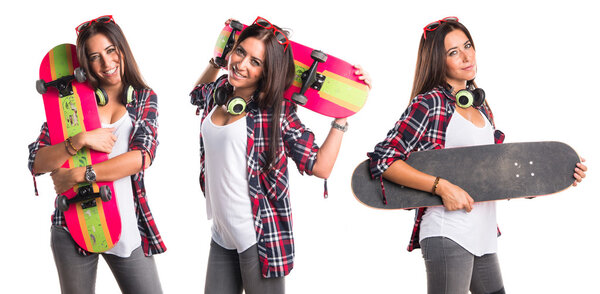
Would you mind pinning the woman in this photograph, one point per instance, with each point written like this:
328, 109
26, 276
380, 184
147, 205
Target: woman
243, 159
128, 112
458, 240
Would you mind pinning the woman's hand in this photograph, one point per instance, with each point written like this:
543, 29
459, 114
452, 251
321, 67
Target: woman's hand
363, 75
100, 139
454, 197
65, 178
579, 172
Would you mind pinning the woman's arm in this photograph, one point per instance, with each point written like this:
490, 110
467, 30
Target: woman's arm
453, 197
210, 74
327, 154
52, 157
121, 166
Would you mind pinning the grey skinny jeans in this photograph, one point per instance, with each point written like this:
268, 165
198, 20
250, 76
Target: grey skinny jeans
230, 272
77, 273
453, 270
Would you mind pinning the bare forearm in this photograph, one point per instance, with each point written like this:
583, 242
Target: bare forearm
327, 154
403, 174
209, 74
52, 157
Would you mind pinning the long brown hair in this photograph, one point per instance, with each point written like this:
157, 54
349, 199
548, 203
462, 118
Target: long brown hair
130, 73
430, 71
277, 76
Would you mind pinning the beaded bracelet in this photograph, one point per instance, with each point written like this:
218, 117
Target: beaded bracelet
69, 151
71, 144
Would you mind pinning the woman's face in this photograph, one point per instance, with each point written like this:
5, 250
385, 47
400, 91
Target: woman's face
246, 64
104, 60
461, 64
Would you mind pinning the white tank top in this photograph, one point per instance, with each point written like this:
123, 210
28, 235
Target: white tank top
226, 184
130, 234
475, 231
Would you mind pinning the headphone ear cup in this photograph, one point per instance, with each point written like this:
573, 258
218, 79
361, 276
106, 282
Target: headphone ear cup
464, 98
479, 96
101, 97
236, 105
221, 93
128, 94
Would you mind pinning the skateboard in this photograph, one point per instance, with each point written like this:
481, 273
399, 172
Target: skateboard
324, 83
487, 173
91, 210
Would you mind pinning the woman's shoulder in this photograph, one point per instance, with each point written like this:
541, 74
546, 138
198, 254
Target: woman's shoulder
433, 97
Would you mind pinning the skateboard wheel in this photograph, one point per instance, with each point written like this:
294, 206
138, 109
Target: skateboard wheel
105, 193
299, 98
318, 56
62, 203
40, 86
79, 74
236, 25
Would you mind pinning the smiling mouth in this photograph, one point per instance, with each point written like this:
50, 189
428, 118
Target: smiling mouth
236, 72
111, 71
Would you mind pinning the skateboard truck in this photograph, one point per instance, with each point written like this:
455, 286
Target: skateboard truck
235, 27
310, 78
84, 194
62, 84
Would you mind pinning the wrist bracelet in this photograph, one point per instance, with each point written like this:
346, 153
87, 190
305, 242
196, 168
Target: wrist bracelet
67, 148
343, 128
214, 64
435, 184
71, 144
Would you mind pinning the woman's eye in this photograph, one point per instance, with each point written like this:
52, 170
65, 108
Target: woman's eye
239, 51
468, 45
255, 63
93, 58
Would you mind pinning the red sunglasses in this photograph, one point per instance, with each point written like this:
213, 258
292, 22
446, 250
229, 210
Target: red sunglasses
434, 25
279, 35
87, 24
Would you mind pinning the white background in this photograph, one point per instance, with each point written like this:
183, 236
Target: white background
538, 63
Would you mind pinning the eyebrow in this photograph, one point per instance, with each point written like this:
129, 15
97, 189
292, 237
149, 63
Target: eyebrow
465, 43
246, 52
107, 47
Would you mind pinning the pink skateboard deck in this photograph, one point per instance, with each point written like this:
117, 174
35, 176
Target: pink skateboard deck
323, 83
92, 219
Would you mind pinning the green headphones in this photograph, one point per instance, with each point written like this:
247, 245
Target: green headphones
102, 97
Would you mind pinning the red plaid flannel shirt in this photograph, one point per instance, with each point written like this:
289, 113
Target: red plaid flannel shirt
143, 112
421, 127
269, 193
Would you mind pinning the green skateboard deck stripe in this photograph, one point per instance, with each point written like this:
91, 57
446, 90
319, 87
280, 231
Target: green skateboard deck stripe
334, 87
222, 40
335, 90
71, 116
61, 66
95, 230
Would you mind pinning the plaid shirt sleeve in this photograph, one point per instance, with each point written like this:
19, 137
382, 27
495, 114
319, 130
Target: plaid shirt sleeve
421, 127
144, 135
299, 142
42, 140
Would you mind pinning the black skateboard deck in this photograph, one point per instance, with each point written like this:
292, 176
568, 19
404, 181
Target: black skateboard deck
486, 172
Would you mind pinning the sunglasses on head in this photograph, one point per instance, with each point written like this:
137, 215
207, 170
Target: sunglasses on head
86, 24
434, 25
279, 35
